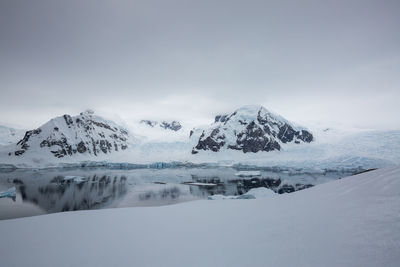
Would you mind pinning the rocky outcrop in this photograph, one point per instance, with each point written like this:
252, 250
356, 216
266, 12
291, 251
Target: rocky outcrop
250, 129
167, 125
149, 123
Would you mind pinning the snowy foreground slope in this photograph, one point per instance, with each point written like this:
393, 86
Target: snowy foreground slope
349, 222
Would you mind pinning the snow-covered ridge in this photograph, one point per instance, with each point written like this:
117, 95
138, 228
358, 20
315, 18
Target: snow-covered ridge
66, 136
250, 129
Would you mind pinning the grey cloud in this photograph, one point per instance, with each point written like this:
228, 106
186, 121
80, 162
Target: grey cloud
192, 59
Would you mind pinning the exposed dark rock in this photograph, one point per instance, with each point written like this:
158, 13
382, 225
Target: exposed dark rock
286, 189
17, 181
24, 141
305, 136
103, 125
19, 152
105, 146
286, 133
221, 118
68, 119
212, 142
81, 147
254, 140
174, 125
149, 122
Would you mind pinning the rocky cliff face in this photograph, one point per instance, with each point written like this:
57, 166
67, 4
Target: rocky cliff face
65, 136
250, 129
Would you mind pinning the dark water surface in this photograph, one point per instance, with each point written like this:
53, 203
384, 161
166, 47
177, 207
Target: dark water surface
58, 190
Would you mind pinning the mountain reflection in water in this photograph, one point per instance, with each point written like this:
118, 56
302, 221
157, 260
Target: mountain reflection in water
58, 190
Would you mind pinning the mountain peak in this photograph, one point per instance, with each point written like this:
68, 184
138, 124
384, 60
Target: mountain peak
68, 135
251, 128
251, 109
87, 112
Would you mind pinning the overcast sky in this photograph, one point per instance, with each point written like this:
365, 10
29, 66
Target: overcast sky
331, 61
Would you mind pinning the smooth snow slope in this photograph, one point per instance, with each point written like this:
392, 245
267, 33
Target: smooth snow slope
10, 135
354, 221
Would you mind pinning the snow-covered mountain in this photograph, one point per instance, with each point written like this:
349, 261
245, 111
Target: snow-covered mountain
273, 141
10, 135
66, 136
167, 125
250, 129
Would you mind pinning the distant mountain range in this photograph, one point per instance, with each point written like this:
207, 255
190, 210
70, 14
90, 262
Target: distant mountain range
250, 135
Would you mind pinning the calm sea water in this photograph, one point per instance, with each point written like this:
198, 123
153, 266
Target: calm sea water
58, 190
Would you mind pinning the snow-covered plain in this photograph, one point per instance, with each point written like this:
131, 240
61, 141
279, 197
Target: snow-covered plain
349, 222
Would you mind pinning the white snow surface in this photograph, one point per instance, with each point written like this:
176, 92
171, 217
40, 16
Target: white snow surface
10, 136
349, 222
